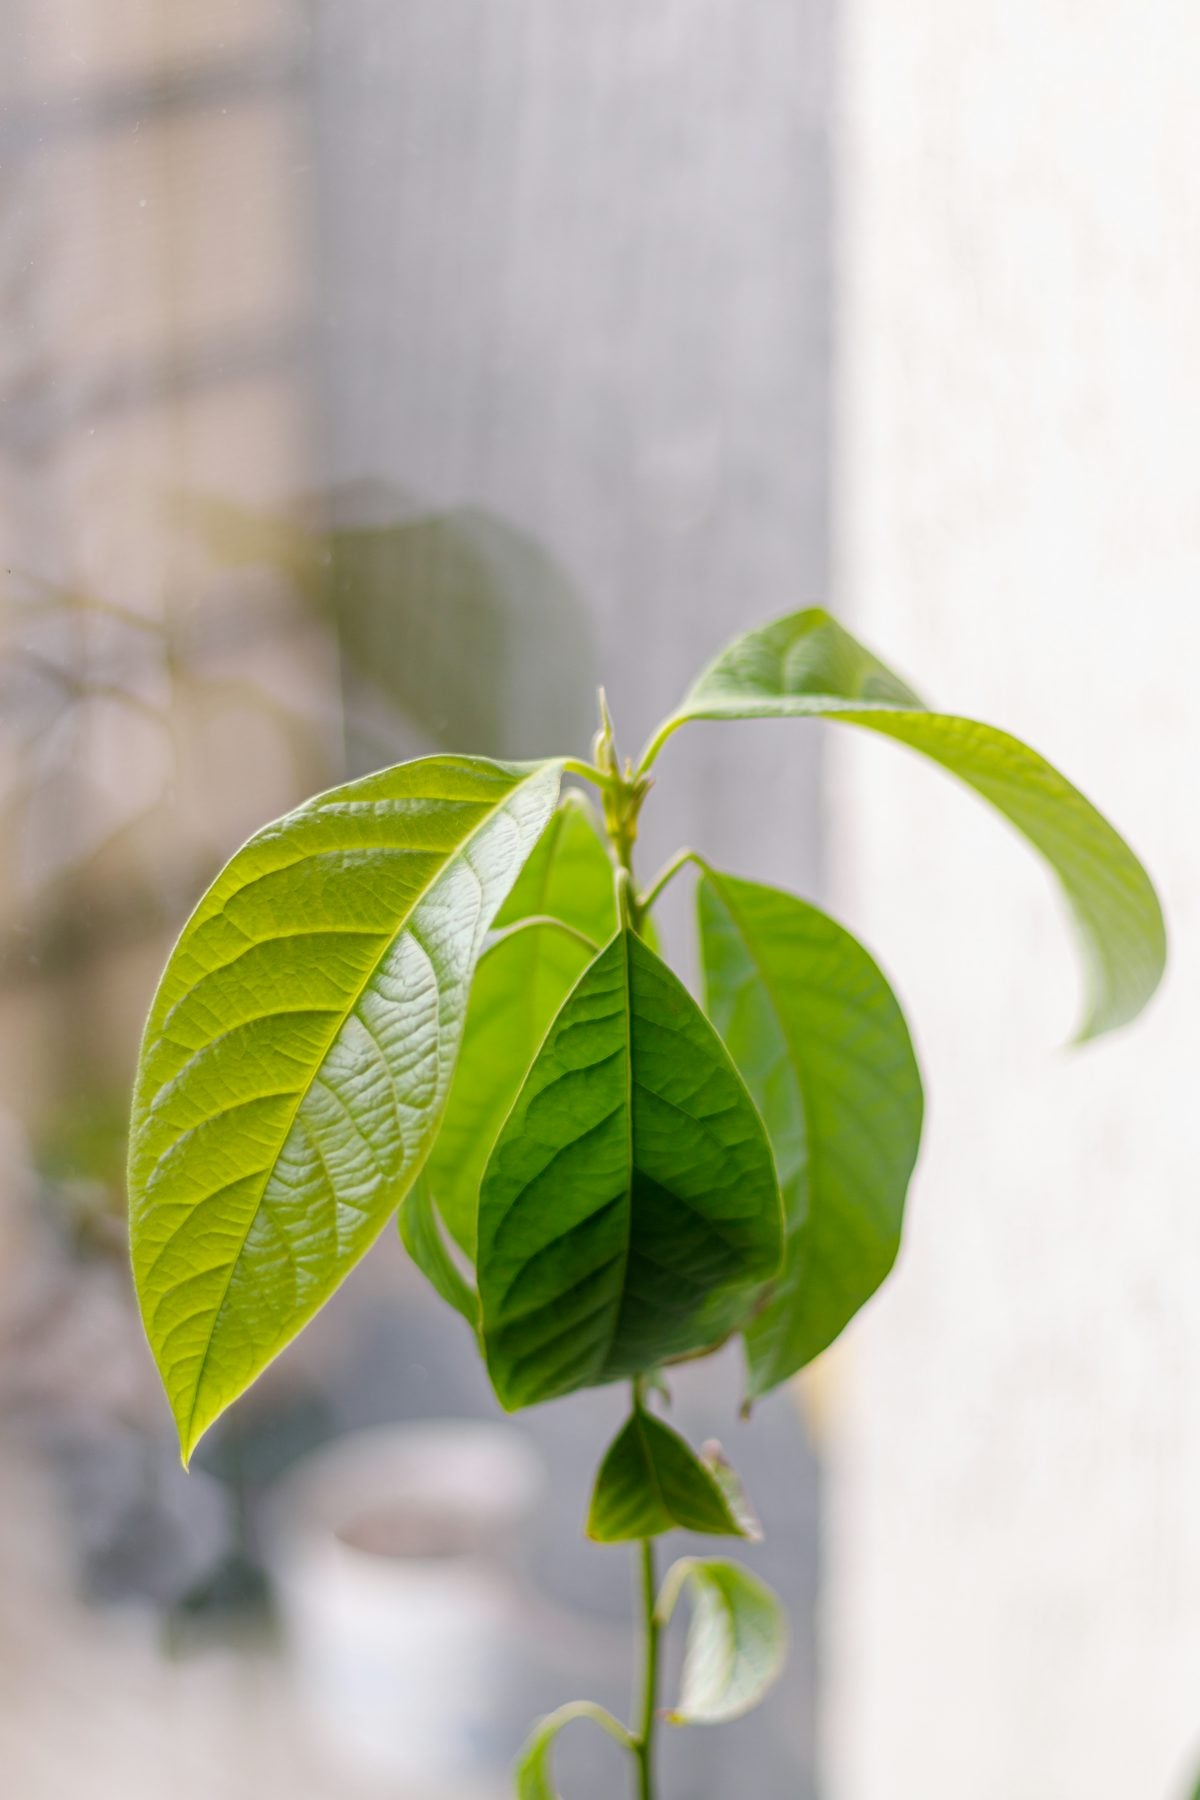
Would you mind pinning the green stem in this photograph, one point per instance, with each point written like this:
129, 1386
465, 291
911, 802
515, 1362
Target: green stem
649, 755
539, 922
666, 875
587, 772
644, 1739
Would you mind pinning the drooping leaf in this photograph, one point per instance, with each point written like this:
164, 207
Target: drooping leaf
630, 1206
519, 985
822, 1045
652, 1481
421, 1233
807, 665
736, 1642
534, 1779
299, 1053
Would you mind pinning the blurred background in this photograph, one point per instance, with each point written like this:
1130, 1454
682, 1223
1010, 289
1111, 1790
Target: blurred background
379, 375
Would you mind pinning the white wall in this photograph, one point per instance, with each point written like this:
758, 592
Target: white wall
1014, 1592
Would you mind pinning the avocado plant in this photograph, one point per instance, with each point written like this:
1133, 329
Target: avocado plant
437, 992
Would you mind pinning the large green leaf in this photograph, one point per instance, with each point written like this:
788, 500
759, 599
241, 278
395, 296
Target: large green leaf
652, 1481
822, 1045
630, 1206
520, 984
534, 1780
736, 1643
807, 665
299, 1053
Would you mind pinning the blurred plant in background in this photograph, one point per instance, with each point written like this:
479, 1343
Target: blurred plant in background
136, 750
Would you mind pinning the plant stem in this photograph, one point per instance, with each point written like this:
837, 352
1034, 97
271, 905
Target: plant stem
586, 771
644, 1740
666, 875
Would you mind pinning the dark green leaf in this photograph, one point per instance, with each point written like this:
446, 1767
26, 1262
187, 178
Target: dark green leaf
736, 1643
630, 1206
822, 1045
651, 1481
421, 1232
519, 985
533, 1776
807, 665
299, 1053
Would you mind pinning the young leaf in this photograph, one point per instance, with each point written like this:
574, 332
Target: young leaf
822, 1045
630, 1206
651, 1481
421, 1234
729, 1481
736, 1642
807, 665
520, 983
299, 1052
533, 1777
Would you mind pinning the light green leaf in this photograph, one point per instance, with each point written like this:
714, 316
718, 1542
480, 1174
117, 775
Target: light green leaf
736, 1642
652, 1481
807, 665
299, 1053
823, 1047
533, 1776
630, 1206
421, 1233
520, 984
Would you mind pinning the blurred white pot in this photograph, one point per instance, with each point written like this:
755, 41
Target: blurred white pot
390, 1550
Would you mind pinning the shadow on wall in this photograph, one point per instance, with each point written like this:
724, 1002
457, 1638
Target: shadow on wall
453, 625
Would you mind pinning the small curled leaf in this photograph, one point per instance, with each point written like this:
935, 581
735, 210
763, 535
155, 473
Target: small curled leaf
534, 1780
736, 1642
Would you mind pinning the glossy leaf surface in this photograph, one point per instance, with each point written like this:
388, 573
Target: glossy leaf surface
421, 1235
652, 1481
630, 1207
736, 1642
520, 983
806, 665
534, 1779
299, 1053
822, 1045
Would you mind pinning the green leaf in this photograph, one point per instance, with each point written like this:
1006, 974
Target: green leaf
730, 1483
421, 1233
651, 1481
299, 1053
533, 1777
807, 665
519, 985
823, 1047
736, 1642
630, 1206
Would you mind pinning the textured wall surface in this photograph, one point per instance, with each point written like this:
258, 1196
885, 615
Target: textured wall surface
575, 270
1014, 1603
